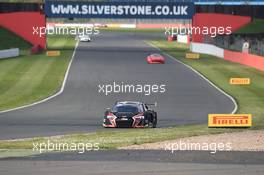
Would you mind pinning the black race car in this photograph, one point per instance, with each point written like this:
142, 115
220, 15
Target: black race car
130, 114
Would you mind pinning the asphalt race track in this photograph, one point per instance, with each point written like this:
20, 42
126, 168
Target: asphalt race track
141, 162
121, 58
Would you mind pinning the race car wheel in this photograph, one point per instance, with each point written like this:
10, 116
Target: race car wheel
148, 119
154, 121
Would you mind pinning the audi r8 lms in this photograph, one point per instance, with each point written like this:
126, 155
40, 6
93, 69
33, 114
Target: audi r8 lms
155, 59
130, 115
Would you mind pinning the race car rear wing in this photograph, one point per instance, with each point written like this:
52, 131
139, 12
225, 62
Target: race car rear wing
152, 104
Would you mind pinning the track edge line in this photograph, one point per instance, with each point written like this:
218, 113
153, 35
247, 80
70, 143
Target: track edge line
201, 75
52, 96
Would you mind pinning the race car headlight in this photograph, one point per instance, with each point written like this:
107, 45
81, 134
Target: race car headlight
110, 117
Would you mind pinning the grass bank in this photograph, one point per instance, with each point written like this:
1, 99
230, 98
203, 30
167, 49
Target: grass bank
30, 78
11, 40
250, 98
256, 26
107, 139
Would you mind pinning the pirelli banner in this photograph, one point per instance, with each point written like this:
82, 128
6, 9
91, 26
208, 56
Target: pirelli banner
172, 10
229, 120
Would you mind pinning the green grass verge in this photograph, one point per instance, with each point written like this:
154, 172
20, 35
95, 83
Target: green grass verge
250, 98
256, 26
11, 40
30, 78
110, 139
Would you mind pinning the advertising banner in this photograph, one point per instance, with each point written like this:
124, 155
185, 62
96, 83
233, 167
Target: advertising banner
229, 120
172, 10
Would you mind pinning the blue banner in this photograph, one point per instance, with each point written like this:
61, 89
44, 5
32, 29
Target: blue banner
156, 10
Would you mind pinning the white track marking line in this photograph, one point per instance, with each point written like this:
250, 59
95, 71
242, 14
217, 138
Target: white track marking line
50, 97
202, 76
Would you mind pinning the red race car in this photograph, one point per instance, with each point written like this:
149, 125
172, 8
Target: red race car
155, 59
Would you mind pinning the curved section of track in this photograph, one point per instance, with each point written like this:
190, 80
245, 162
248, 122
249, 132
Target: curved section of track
114, 57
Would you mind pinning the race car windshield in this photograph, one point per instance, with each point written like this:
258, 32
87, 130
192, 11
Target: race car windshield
126, 108
156, 55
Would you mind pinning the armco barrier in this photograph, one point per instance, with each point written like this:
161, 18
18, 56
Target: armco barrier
237, 57
245, 59
9, 53
207, 49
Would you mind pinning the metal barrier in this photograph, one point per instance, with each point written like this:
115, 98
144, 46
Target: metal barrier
9, 53
235, 42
